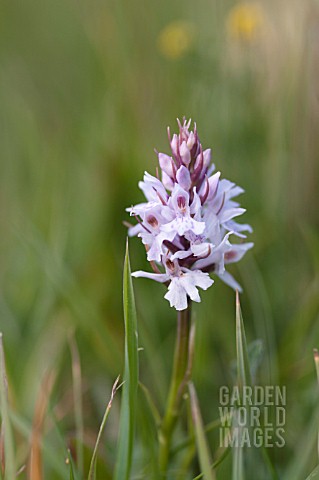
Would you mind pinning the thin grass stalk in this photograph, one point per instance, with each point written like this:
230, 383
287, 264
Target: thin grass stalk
191, 438
8, 467
204, 455
316, 359
77, 399
92, 471
180, 369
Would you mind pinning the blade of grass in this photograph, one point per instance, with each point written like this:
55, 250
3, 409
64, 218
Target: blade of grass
201, 442
77, 400
128, 405
243, 378
24, 428
190, 451
190, 439
69, 461
314, 475
8, 458
262, 316
238, 451
243, 369
316, 359
216, 463
151, 404
54, 426
92, 471
271, 469
303, 451
148, 420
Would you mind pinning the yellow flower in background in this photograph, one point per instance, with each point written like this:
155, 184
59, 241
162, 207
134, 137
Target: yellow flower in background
245, 21
176, 39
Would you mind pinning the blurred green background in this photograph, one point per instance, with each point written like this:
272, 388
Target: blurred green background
87, 89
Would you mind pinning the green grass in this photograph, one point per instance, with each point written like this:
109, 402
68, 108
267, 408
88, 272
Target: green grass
130, 378
85, 96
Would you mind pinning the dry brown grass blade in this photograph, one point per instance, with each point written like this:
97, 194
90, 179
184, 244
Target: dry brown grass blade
35, 471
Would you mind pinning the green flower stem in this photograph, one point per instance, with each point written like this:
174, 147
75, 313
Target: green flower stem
177, 387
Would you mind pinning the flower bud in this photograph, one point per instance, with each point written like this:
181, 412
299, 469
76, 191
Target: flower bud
185, 154
207, 157
174, 144
191, 140
166, 163
183, 178
167, 182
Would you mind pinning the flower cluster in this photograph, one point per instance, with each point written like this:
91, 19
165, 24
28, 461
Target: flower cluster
187, 220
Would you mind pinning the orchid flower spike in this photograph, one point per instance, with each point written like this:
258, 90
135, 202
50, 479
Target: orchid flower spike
188, 219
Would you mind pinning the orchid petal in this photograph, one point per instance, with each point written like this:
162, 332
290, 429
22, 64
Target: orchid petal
167, 182
237, 252
176, 295
158, 277
166, 164
181, 254
213, 185
231, 213
227, 278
